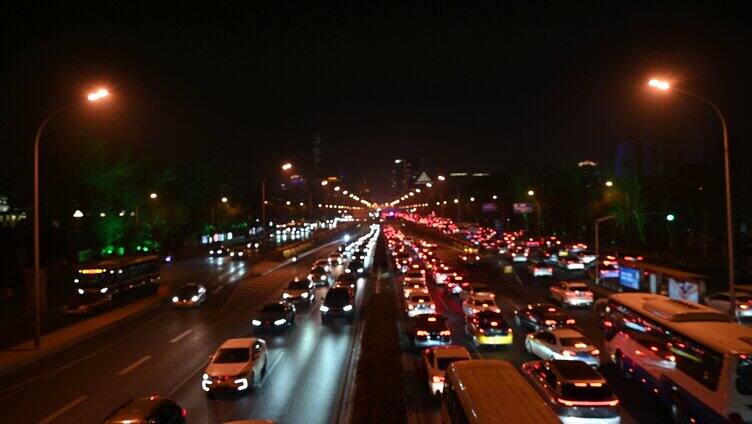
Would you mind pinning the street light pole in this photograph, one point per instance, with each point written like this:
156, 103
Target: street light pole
664, 86
285, 167
597, 246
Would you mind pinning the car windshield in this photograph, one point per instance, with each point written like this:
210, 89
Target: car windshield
298, 285
414, 274
486, 319
431, 323
87, 298
273, 308
571, 391
232, 355
443, 363
188, 290
744, 376
425, 299
580, 287
484, 302
338, 296
574, 341
481, 288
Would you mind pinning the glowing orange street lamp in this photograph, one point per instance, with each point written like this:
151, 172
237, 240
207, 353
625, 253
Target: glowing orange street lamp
285, 167
665, 86
94, 96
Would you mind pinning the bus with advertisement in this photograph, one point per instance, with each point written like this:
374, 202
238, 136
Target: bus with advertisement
693, 358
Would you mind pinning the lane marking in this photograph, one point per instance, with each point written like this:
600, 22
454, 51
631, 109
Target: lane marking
274, 364
181, 335
63, 410
185, 380
133, 366
217, 289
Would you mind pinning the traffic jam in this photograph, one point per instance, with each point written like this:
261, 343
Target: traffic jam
529, 301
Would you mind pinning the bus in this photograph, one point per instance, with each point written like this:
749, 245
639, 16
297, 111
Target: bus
117, 275
491, 391
693, 358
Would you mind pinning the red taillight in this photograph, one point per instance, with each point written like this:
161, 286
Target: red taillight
570, 321
445, 333
494, 324
608, 324
183, 412
421, 333
550, 322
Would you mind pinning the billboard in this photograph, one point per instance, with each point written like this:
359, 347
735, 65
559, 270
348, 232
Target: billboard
683, 290
629, 277
522, 207
489, 207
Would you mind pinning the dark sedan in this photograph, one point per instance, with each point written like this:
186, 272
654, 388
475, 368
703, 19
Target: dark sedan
274, 316
541, 316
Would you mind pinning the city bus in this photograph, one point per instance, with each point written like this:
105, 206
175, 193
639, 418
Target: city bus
117, 275
696, 360
491, 391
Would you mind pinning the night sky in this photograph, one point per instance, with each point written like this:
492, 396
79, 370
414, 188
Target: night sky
467, 85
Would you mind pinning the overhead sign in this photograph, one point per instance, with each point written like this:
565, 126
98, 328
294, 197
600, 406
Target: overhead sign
423, 179
522, 207
629, 277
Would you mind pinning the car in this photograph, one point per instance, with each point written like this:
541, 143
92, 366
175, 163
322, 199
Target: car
349, 281
722, 302
440, 272
414, 276
542, 316
356, 267
274, 316
320, 275
489, 328
236, 366
469, 259
323, 263
455, 284
435, 362
299, 290
430, 329
238, 253
338, 303
414, 287
540, 269
334, 259
479, 302
519, 255
189, 295
479, 289
563, 343
419, 303
571, 293
608, 269
571, 263
87, 304
147, 409
218, 251
575, 391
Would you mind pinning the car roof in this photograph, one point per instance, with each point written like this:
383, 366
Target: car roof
481, 296
450, 351
236, 343
574, 370
566, 332
136, 408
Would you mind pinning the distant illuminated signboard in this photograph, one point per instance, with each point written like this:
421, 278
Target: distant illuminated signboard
522, 207
489, 207
630, 278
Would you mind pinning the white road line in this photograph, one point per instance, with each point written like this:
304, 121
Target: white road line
217, 289
63, 410
181, 335
274, 363
133, 366
184, 380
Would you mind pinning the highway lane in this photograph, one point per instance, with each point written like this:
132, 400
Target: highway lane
164, 352
515, 291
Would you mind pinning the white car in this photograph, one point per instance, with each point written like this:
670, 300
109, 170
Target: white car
436, 360
540, 269
419, 303
722, 302
572, 293
563, 343
479, 302
238, 365
571, 263
415, 287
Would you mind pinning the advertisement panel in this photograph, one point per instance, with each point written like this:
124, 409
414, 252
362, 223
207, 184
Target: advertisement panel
683, 290
522, 208
629, 278
489, 207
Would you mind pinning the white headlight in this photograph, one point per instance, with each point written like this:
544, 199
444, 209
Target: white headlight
347, 308
80, 291
240, 253
324, 308
205, 376
323, 277
256, 322
103, 290
242, 383
194, 298
304, 295
175, 299
211, 252
285, 295
280, 321
232, 253
360, 269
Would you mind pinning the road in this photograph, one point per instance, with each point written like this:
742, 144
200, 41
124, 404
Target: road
514, 291
165, 351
